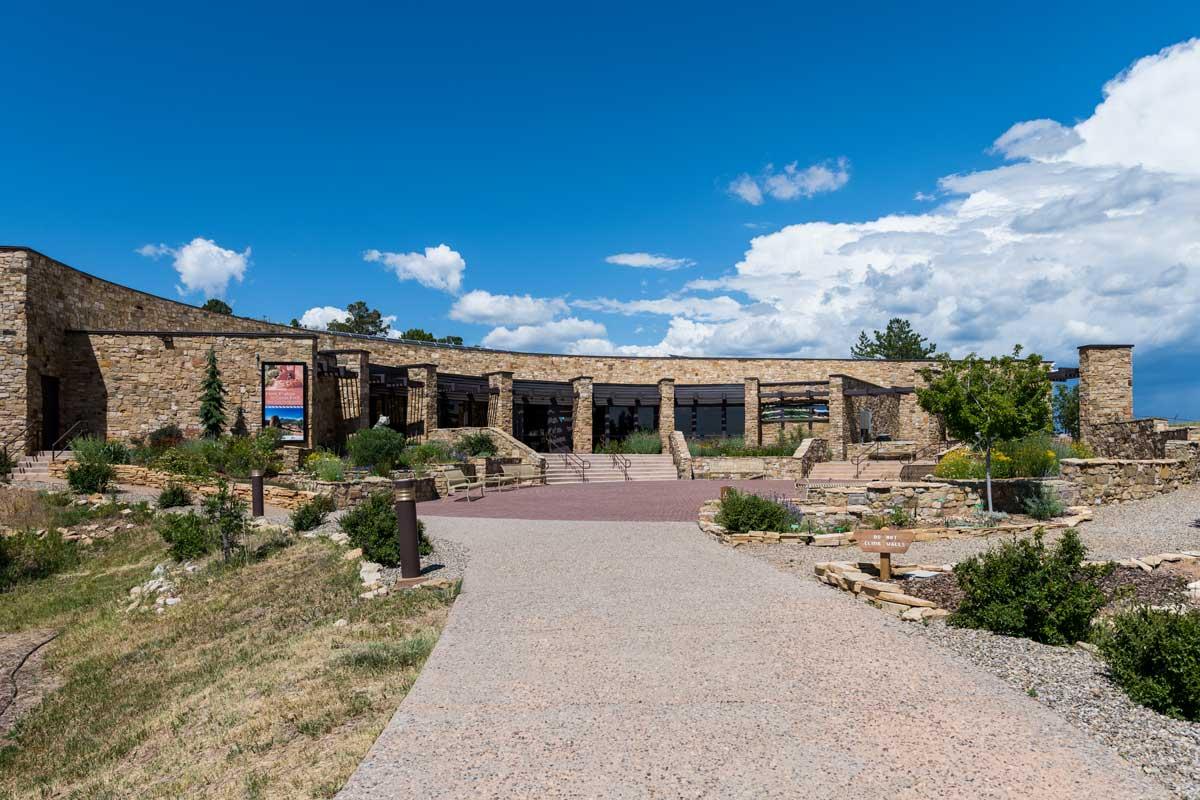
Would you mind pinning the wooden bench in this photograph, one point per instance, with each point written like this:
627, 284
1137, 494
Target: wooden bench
455, 480
524, 474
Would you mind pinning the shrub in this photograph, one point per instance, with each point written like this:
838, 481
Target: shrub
418, 456
26, 556
174, 496
95, 450
89, 478
312, 513
372, 526
476, 445
741, 512
1154, 655
1033, 456
325, 466
735, 446
1043, 504
898, 517
164, 437
378, 448
237, 456
1023, 588
186, 459
188, 535
638, 442
226, 514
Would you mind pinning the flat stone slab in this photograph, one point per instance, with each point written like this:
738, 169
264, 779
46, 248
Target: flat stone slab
639, 660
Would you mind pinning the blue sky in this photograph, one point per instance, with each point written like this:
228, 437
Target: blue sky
536, 144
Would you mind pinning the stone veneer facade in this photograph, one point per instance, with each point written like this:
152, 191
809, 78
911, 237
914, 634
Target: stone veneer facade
1105, 387
107, 344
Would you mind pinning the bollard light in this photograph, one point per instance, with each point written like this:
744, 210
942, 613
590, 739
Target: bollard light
406, 524
256, 493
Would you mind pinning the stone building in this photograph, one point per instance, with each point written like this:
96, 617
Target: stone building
78, 354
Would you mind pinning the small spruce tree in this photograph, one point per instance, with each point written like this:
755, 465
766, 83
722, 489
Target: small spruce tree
898, 342
212, 398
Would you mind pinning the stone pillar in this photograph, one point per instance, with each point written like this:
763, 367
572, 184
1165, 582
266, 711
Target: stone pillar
500, 400
666, 411
752, 431
581, 418
1105, 386
422, 408
838, 435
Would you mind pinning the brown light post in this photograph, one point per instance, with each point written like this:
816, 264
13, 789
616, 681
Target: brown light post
256, 493
406, 524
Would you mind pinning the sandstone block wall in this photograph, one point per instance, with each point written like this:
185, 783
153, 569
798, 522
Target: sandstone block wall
925, 502
123, 386
1105, 387
1104, 480
1133, 438
747, 467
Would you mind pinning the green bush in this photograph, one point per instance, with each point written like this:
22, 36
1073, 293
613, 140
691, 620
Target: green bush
326, 466
476, 445
95, 450
164, 437
735, 446
174, 495
371, 525
741, 512
1033, 456
637, 442
238, 456
1023, 588
188, 535
380, 449
1154, 655
26, 556
89, 478
418, 456
226, 515
312, 513
1043, 504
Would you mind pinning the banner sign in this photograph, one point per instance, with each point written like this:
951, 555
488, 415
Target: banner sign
285, 399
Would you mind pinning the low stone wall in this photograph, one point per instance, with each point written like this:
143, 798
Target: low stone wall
1111, 480
133, 475
811, 452
747, 467
861, 578
507, 446
1009, 494
681, 455
1141, 439
925, 502
348, 494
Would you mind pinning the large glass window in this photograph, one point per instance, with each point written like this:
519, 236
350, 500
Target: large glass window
613, 423
708, 421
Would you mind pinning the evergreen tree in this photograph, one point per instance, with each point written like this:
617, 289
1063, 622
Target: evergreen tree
212, 398
362, 319
897, 342
985, 401
217, 306
422, 335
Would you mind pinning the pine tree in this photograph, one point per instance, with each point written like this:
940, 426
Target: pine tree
897, 342
212, 398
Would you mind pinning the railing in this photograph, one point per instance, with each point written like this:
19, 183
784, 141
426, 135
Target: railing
60, 444
24, 435
576, 462
865, 455
622, 463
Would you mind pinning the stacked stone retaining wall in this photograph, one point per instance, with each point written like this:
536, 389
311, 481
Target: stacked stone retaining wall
1105, 480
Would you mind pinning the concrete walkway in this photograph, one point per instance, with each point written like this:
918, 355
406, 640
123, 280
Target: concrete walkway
643, 660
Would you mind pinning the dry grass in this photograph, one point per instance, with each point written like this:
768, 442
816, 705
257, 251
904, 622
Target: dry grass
244, 690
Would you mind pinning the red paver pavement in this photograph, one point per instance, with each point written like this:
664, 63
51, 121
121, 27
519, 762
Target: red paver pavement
622, 501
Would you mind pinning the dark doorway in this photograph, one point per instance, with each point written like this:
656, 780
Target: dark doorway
50, 414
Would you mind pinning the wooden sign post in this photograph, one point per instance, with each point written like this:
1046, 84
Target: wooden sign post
885, 542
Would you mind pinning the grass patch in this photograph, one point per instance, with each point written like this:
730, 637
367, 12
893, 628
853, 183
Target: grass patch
245, 688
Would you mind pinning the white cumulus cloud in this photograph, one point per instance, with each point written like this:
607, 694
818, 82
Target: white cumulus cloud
318, 318
437, 268
649, 261
561, 336
486, 308
202, 264
706, 308
1088, 232
794, 181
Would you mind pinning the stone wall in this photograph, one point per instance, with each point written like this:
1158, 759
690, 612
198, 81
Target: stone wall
1009, 494
680, 454
348, 494
507, 447
1105, 480
926, 502
1105, 387
14, 347
1133, 438
124, 386
811, 452
747, 467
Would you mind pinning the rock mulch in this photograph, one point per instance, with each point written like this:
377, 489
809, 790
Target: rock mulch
1074, 682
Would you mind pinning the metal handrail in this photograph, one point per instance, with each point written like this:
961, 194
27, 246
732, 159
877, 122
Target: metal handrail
864, 456
56, 450
576, 462
23, 435
622, 463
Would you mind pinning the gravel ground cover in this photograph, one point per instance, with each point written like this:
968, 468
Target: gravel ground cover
1073, 682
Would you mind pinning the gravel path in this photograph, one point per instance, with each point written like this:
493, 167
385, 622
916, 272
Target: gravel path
643, 660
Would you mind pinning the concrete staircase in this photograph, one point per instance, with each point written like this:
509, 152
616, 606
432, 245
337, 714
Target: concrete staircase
603, 470
843, 471
35, 468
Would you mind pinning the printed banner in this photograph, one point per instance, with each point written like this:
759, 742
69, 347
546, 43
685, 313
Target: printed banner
284, 393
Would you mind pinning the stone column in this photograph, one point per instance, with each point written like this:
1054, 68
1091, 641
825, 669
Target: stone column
422, 410
581, 418
1105, 386
500, 400
838, 435
752, 431
666, 411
